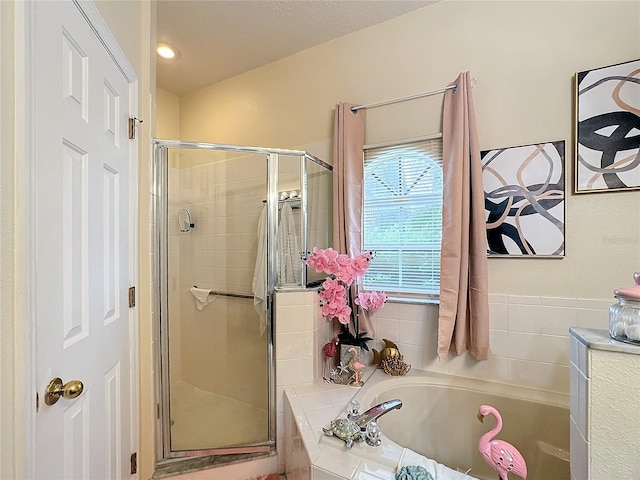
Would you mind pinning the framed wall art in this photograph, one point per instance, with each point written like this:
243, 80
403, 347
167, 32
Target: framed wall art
608, 128
524, 198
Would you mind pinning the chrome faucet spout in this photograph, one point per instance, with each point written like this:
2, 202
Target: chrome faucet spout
376, 412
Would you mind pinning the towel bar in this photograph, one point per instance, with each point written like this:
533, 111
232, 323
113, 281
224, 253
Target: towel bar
229, 294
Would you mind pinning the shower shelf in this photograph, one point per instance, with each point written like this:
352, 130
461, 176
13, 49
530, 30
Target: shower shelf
293, 202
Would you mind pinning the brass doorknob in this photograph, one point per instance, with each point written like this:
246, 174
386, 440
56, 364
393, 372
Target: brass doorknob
57, 389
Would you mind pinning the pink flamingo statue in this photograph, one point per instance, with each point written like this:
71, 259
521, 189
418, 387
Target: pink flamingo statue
500, 455
330, 349
357, 367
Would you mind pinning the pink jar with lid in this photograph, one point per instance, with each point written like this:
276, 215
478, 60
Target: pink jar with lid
624, 316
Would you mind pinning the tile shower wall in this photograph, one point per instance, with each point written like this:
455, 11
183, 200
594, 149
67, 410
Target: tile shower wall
219, 253
224, 197
299, 333
529, 338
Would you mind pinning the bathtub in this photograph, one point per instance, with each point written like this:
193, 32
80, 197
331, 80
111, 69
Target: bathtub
437, 420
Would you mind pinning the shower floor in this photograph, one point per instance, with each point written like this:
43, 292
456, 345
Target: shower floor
203, 420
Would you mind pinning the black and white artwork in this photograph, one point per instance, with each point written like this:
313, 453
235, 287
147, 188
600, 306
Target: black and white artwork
608, 128
524, 199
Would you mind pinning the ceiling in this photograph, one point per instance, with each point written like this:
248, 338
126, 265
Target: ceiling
218, 39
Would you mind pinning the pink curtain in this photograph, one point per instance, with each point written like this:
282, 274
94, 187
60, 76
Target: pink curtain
463, 324
348, 140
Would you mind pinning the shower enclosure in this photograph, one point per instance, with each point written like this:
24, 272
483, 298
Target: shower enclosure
230, 225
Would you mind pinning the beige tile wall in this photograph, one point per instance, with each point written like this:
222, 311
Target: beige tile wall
300, 332
211, 349
529, 338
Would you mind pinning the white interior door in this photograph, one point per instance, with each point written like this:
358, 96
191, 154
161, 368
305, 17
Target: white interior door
82, 168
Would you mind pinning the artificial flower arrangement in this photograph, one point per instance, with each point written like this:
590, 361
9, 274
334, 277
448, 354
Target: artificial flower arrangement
336, 292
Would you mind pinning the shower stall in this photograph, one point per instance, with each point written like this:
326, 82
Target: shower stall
230, 225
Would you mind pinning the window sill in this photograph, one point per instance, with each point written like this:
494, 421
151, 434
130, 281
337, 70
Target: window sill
413, 300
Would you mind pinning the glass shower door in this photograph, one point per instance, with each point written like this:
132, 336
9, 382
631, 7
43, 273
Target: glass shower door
217, 360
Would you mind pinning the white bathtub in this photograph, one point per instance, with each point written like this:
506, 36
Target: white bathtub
437, 420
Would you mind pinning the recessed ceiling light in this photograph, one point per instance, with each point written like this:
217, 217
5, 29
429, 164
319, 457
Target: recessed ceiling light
166, 51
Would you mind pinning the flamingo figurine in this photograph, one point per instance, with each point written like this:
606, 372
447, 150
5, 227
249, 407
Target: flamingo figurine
500, 455
356, 366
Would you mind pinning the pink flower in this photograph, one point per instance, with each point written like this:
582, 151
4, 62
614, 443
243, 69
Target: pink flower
337, 310
346, 275
324, 260
333, 294
344, 315
343, 260
361, 263
371, 301
332, 290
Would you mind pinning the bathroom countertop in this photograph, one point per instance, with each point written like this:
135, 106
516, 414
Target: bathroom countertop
600, 340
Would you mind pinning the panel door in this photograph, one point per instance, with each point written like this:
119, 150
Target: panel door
82, 254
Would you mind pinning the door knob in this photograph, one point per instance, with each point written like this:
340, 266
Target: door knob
57, 389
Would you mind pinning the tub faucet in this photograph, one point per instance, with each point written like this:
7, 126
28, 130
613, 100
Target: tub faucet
376, 412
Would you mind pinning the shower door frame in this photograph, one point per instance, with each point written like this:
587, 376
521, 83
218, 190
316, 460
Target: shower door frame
160, 322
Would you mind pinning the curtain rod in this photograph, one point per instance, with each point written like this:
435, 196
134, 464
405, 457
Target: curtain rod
403, 99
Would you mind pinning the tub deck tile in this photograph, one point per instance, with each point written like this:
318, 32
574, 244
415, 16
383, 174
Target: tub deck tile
370, 470
330, 464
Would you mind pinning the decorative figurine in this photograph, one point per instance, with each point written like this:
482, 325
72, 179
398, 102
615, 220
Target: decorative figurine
414, 472
390, 359
356, 367
395, 366
330, 349
341, 375
345, 429
500, 455
390, 350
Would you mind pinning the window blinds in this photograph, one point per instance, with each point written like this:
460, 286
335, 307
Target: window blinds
402, 216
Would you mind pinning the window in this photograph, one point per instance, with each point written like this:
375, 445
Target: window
402, 217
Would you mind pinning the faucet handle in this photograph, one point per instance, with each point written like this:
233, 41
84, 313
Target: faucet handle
372, 436
353, 409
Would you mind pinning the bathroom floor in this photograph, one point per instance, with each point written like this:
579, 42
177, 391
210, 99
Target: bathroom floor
204, 420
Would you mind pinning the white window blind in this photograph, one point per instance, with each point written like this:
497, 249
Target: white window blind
402, 217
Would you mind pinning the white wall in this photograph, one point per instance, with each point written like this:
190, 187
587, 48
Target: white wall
127, 22
167, 118
523, 56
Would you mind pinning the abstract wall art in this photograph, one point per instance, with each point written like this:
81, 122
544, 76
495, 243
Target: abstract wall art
608, 128
524, 200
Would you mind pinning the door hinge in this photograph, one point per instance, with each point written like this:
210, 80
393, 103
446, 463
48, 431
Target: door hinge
134, 463
158, 411
132, 127
132, 297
